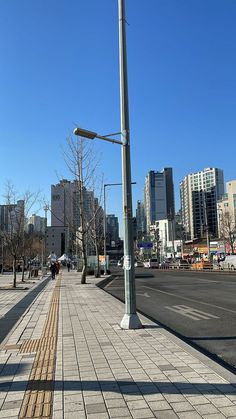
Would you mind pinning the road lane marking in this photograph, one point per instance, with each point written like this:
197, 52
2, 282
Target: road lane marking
191, 299
144, 294
191, 312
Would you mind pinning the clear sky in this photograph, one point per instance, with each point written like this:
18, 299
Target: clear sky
59, 68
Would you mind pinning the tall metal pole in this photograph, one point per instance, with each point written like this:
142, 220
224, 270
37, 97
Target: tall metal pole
46, 208
207, 228
105, 233
130, 319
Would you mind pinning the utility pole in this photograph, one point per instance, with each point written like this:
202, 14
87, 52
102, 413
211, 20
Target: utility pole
206, 226
105, 232
46, 208
130, 319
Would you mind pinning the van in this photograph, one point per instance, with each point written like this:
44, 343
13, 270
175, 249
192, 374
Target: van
229, 262
151, 263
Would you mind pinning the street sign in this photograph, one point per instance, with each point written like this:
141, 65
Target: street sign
145, 245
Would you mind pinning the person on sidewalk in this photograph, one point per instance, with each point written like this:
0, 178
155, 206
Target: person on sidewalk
68, 266
53, 270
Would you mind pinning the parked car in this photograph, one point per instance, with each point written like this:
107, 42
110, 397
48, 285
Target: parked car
228, 263
151, 263
138, 264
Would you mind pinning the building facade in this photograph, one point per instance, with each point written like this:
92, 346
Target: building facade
112, 229
226, 210
57, 240
65, 213
12, 217
199, 193
140, 220
159, 196
37, 224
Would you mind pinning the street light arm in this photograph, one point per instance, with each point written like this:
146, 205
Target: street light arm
110, 140
81, 132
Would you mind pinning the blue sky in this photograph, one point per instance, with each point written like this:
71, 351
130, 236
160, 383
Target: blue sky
59, 68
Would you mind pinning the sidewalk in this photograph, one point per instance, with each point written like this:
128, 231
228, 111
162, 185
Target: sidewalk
68, 358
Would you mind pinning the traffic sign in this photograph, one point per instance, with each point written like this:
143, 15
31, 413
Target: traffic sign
145, 245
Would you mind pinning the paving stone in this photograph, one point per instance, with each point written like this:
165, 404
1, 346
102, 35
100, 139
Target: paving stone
142, 413
194, 400
228, 411
222, 402
96, 408
205, 409
166, 414
118, 412
11, 404
111, 403
189, 415
159, 405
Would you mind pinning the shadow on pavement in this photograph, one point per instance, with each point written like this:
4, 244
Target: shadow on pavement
12, 316
12, 369
123, 387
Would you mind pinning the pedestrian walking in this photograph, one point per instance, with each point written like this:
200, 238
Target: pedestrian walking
68, 266
53, 270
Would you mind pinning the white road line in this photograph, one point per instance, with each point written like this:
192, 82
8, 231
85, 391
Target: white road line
190, 299
191, 312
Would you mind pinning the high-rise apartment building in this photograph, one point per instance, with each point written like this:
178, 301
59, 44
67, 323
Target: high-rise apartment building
140, 220
12, 216
199, 193
64, 204
159, 196
112, 228
65, 210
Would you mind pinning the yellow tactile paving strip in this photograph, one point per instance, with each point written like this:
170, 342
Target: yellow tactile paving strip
37, 402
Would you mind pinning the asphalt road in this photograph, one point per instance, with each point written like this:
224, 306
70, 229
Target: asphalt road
200, 306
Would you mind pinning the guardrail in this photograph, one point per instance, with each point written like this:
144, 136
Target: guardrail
208, 267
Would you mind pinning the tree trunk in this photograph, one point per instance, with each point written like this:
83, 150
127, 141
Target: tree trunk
84, 256
14, 272
23, 271
98, 274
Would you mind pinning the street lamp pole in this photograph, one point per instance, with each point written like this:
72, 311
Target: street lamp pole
46, 208
130, 319
105, 224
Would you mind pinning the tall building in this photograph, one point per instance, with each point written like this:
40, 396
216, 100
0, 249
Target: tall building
12, 216
140, 220
159, 196
64, 208
57, 240
37, 224
226, 207
199, 193
65, 211
112, 228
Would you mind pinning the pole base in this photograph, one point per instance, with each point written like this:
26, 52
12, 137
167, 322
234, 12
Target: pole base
131, 321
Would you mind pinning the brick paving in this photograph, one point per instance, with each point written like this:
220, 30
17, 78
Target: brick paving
102, 371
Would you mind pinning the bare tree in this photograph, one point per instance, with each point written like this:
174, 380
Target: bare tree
96, 231
81, 162
14, 229
228, 229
